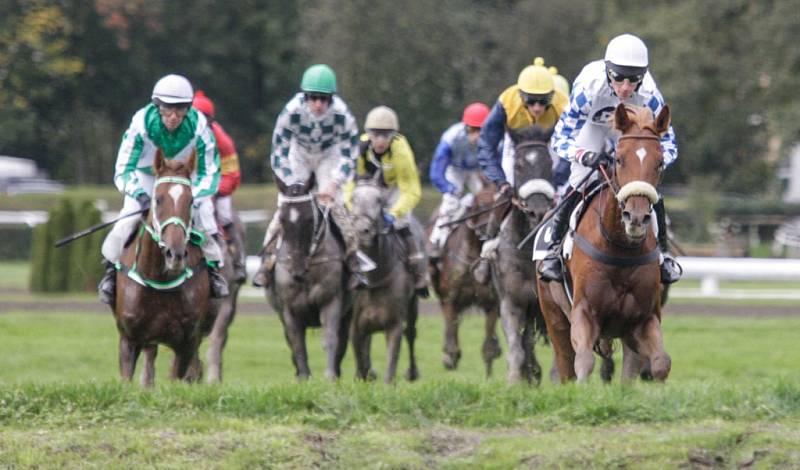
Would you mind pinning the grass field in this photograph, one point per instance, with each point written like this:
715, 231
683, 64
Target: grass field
733, 399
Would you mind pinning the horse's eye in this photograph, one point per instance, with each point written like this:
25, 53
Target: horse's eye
159, 200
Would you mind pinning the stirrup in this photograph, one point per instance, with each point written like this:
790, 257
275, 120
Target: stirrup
671, 271
551, 269
219, 285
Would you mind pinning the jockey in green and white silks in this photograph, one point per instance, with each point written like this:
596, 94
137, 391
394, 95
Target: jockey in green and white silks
315, 133
169, 124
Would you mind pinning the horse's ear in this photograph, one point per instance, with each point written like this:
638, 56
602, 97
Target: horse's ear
622, 121
663, 120
158, 165
515, 135
548, 133
281, 185
190, 164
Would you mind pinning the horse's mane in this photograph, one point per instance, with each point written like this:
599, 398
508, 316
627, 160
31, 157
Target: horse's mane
533, 133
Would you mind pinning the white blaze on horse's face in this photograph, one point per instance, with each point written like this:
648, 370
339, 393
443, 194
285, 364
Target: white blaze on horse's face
294, 214
641, 153
175, 193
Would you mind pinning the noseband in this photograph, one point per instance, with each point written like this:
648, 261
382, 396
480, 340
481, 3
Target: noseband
157, 230
534, 185
633, 188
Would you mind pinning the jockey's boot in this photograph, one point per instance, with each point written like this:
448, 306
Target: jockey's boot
550, 269
219, 285
238, 255
482, 269
671, 271
107, 288
357, 279
263, 276
415, 259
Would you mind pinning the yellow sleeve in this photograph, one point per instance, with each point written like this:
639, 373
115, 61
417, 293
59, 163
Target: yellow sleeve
407, 178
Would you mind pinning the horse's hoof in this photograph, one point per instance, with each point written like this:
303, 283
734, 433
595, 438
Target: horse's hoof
371, 376
412, 374
450, 361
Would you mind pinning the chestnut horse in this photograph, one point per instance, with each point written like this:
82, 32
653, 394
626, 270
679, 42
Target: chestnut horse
614, 266
457, 289
163, 287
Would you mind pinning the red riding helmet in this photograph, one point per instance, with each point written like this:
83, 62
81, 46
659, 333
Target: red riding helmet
202, 103
475, 114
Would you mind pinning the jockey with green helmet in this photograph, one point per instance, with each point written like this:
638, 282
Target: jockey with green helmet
171, 125
315, 133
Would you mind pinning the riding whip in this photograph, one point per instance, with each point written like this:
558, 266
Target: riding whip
550, 214
95, 228
478, 212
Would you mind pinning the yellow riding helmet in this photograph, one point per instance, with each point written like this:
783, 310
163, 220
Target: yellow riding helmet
535, 79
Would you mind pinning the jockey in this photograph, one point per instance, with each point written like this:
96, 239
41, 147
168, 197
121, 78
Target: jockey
585, 129
383, 147
454, 167
315, 134
229, 181
171, 125
534, 100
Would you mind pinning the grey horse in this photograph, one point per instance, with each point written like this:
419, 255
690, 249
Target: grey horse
310, 279
513, 271
389, 303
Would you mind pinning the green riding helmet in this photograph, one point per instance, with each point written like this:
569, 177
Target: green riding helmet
319, 78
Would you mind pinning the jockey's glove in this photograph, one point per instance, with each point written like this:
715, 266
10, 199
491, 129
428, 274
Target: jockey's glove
144, 201
593, 160
388, 221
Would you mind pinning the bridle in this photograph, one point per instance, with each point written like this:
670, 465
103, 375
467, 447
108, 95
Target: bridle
633, 188
316, 213
156, 231
534, 185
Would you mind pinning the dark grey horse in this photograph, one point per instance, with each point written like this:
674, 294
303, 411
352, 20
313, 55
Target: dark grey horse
310, 279
513, 272
389, 304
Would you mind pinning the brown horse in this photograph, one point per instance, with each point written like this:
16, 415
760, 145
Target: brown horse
458, 290
614, 266
163, 289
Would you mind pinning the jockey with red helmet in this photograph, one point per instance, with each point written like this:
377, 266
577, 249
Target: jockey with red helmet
168, 124
230, 179
455, 168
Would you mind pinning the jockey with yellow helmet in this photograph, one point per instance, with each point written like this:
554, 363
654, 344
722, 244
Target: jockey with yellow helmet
382, 148
585, 131
171, 125
315, 133
533, 100
455, 168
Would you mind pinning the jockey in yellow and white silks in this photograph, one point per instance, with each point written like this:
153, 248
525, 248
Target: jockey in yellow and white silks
171, 125
315, 133
383, 148
585, 131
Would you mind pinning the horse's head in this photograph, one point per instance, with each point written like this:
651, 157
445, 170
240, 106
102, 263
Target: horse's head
300, 219
367, 202
533, 171
638, 165
171, 211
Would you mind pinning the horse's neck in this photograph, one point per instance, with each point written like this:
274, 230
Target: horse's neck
517, 225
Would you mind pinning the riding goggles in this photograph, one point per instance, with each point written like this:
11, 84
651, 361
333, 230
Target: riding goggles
619, 78
180, 109
531, 99
387, 134
318, 97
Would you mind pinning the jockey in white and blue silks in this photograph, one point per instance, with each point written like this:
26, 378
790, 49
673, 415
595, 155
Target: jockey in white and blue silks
585, 130
171, 125
455, 168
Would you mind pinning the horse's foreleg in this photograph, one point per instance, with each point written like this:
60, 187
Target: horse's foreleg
632, 362
650, 344
128, 353
511, 315
331, 319
149, 370
361, 344
182, 362
531, 369
412, 373
491, 345
394, 337
295, 334
584, 333
558, 329
452, 352
217, 340
341, 345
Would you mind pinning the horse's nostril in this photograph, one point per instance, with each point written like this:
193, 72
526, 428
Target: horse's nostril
646, 219
626, 216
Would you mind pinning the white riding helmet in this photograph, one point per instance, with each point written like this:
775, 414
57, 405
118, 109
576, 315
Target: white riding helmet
628, 51
382, 118
173, 89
